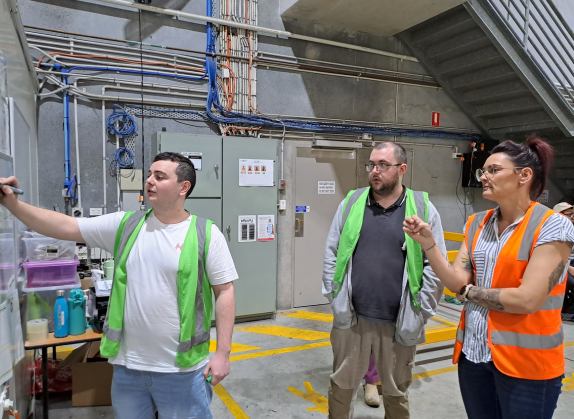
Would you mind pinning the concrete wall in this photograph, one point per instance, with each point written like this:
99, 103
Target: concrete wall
279, 92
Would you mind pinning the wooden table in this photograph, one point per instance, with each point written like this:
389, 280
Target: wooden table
89, 336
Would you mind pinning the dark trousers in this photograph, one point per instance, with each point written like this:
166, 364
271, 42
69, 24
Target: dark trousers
489, 394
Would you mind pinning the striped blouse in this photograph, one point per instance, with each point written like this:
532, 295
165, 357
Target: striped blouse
488, 246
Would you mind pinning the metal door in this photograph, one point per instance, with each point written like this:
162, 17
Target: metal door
256, 261
315, 224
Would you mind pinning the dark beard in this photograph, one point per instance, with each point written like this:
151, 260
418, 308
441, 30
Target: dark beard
386, 188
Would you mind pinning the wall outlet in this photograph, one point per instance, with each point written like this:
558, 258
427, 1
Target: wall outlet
82, 252
456, 155
94, 212
282, 205
78, 212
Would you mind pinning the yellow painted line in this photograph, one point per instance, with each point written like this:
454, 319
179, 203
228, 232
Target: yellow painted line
308, 315
451, 255
279, 351
454, 237
443, 321
235, 347
434, 372
440, 335
448, 292
285, 332
228, 401
321, 403
567, 344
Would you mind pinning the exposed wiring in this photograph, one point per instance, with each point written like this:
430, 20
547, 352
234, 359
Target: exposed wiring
122, 158
121, 123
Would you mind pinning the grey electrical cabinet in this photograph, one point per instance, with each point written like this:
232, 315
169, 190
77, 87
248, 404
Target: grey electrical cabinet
218, 197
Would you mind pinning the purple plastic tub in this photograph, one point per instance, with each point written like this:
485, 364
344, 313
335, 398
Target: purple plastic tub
50, 274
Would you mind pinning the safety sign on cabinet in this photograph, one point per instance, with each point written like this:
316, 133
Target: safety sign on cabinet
255, 172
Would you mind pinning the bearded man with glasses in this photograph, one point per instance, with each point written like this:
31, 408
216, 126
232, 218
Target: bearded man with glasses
381, 287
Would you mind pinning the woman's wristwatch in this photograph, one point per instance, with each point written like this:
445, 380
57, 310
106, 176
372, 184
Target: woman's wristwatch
464, 291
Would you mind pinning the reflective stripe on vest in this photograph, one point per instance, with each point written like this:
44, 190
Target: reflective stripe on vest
516, 340
522, 340
200, 335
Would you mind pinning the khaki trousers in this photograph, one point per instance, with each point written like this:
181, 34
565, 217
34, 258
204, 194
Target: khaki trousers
352, 349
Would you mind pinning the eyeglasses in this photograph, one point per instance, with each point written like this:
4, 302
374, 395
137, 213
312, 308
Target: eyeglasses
381, 167
490, 171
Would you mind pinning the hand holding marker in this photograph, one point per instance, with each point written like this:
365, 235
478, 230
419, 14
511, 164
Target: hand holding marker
15, 190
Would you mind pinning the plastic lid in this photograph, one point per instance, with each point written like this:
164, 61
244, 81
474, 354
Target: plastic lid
60, 293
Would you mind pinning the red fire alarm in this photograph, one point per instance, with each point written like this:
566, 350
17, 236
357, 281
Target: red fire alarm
436, 119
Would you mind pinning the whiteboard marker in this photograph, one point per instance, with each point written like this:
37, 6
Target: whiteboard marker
15, 190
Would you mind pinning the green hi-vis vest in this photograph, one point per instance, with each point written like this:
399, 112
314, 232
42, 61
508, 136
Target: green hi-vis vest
353, 211
193, 289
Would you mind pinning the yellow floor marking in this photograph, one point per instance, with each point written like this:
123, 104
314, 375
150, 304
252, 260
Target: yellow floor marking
279, 351
453, 237
286, 332
440, 335
568, 383
567, 344
434, 372
228, 401
451, 254
308, 315
235, 347
320, 402
448, 292
443, 321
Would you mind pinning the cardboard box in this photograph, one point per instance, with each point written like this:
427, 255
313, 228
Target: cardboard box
91, 376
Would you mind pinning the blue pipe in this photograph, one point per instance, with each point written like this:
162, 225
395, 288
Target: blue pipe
67, 167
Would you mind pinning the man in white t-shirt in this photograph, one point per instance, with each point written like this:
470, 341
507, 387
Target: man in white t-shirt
151, 370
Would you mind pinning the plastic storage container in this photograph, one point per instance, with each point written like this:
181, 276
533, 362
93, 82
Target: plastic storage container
6, 272
42, 249
50, 274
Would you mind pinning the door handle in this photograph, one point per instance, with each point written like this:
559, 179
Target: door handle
229, 233
297, 225
216, 167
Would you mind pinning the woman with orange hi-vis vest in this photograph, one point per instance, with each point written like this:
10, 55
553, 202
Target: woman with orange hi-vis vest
510, 271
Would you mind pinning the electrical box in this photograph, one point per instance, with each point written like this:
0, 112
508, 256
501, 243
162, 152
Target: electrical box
217, 196
473, 161
131, 180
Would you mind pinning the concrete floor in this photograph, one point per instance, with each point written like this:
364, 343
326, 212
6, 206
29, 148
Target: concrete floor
292, 384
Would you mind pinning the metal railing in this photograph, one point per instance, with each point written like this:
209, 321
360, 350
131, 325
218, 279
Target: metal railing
545, 36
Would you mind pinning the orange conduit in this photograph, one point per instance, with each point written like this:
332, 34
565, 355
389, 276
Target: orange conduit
250, 59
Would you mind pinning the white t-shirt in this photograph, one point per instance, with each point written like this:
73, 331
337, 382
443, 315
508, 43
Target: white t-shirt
151, 329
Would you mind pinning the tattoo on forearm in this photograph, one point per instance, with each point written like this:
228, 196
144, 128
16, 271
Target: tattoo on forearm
555, 276
486, 297
465, 258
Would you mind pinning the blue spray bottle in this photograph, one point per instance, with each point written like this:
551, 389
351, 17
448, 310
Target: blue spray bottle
61, 324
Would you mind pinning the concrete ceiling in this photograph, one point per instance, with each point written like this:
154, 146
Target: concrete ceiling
380, 17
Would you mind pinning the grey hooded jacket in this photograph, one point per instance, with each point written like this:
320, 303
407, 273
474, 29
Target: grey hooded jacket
411, 320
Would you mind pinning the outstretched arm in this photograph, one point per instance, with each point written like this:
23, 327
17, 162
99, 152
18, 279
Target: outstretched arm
545, 269
48, 223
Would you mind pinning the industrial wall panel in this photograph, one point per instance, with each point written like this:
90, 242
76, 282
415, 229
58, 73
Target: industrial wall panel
256, 261
205, 208
204, 150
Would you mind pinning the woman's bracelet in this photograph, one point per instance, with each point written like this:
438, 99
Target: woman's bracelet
426, 250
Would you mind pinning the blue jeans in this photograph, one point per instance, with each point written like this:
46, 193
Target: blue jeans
138, 394
489, 394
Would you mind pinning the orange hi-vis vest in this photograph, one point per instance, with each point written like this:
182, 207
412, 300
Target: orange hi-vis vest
529, 346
